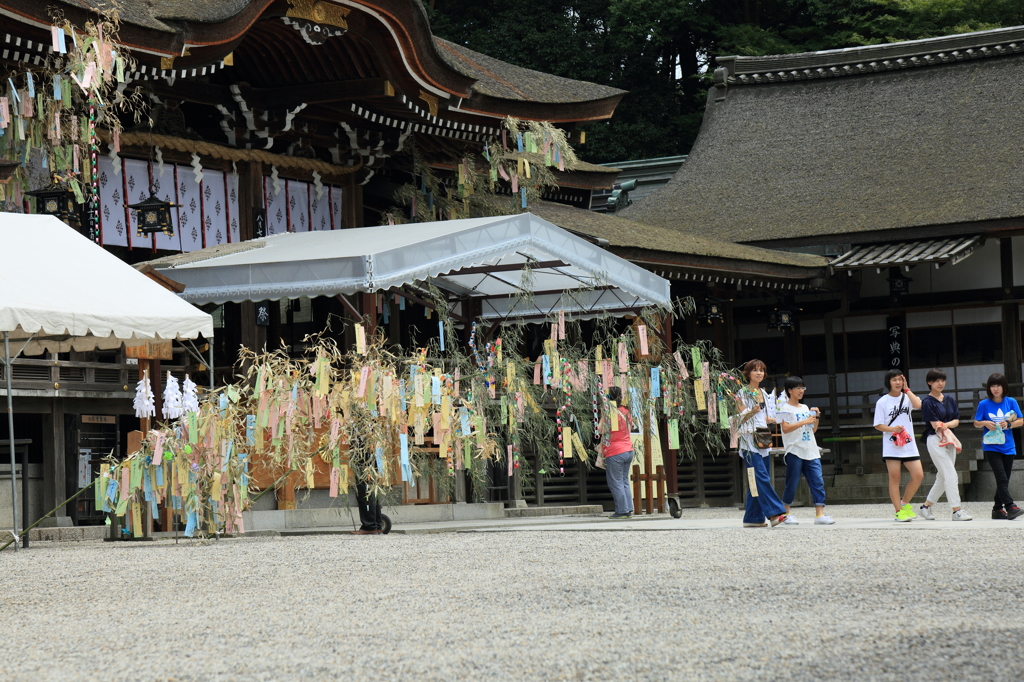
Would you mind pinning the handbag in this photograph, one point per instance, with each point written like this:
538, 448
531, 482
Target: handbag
763, 437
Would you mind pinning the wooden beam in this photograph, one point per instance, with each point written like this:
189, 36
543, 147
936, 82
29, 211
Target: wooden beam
285, 97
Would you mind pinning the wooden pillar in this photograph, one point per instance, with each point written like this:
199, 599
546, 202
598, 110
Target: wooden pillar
54, 458
352, 202
670, 457
1011, 315
250, 196
368, 307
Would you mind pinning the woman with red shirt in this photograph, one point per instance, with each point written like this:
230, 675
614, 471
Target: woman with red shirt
618, 454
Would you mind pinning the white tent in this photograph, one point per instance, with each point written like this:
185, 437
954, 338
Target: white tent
474, 257
59, 291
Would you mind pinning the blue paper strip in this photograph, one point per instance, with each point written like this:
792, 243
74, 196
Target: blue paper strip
655, 382
403, 439
62, 40
440, 332
435, 390
250, 429
190, 524
464, 418
379, 454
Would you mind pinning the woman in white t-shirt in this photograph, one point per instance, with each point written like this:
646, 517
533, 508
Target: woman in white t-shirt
899, 449
752, 404
799, 424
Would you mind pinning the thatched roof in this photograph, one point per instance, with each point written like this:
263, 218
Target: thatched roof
849, 142
507, 81
628, 234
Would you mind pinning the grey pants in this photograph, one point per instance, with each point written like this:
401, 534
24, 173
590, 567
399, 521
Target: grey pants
616, 471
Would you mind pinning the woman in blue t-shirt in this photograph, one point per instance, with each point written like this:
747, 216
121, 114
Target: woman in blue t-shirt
998, 414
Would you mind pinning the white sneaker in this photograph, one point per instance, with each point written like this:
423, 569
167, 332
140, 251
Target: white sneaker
791, 521
823, 520
925, 513
961, 515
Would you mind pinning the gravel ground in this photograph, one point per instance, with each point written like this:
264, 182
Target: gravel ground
702, 605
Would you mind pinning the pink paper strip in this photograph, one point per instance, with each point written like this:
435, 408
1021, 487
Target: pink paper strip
536, 374
55, 35
510, 460
642, 331
334, 482
623, 358
561, 325
125, 473
364, 376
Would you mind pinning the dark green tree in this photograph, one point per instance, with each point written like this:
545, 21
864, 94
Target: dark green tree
662, 51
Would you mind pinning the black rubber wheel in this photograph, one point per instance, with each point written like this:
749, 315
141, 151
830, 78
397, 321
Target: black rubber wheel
673, 508
387, 523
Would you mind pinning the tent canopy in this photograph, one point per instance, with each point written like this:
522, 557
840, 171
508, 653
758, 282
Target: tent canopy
66, 292
495, 259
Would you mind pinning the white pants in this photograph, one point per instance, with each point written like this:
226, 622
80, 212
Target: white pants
944, 459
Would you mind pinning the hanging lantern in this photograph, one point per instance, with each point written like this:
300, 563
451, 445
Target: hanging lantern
55, 200
153, 215
899, 284
782, 318
709, 309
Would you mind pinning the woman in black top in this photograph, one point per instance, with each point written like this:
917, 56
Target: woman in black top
941, 415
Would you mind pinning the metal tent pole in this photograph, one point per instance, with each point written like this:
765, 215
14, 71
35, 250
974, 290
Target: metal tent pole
210, 344
10, 436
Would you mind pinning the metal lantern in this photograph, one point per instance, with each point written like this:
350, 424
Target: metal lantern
709, 309
153, 215
899, 284
54, 200
782, 318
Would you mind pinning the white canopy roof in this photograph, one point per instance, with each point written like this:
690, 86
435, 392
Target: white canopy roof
69, 293
476, 257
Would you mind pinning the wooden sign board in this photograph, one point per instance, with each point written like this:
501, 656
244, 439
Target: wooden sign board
99, 419
151, 350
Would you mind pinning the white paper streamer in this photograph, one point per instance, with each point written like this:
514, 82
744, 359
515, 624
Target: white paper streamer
198, 166
275, 180
145, 405
190, 399
172, 399
319, 186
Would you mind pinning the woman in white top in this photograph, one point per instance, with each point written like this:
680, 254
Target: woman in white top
899, 448
762, 500
799, 424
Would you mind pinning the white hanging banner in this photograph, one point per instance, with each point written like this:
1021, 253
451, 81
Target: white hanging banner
215, 214
190, 214
298, 206
113, 222
336, 208
165, 190
136, 179
320, 209
277, 208
232, 192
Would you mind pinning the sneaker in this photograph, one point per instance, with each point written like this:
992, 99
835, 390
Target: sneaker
961, 515
1014, 512
905, 515
780, 520
823, 520
999, 515
909, 509
791, 520
620, 516
925, 512
755, 525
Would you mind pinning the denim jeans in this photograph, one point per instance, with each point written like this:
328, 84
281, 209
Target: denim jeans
811, 469
616, 472
767, 503
1002, 467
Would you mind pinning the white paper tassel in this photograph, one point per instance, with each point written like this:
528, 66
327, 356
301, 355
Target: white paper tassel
277, 181
198, 172
115, 161
190, 399
145, 405
159, 161
319, 185
172, 398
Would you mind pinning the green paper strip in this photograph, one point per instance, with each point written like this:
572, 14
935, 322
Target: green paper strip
697, 361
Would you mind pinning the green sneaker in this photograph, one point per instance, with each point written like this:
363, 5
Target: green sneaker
905, 515
909, 508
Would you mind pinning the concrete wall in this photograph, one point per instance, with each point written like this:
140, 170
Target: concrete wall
35, 492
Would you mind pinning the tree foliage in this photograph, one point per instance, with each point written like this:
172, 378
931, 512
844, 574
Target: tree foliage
662, 51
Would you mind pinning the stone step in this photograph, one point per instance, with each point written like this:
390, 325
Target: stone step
577, 510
